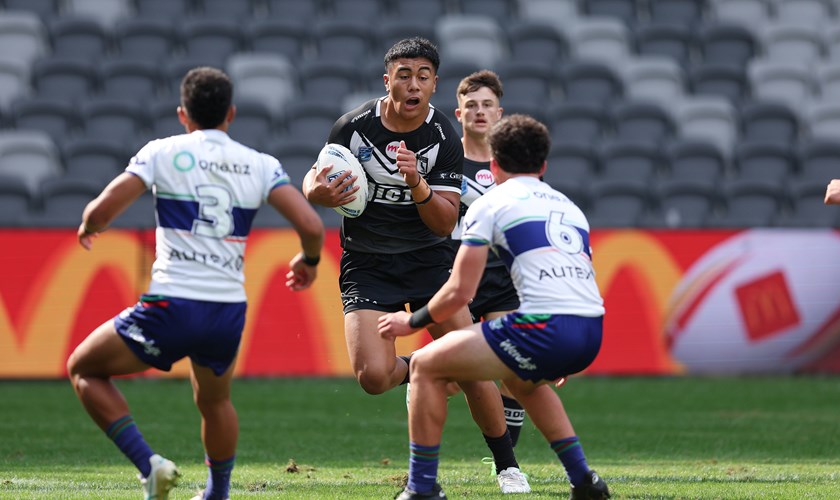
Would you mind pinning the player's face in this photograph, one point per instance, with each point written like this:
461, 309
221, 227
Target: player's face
478, 111
411, 83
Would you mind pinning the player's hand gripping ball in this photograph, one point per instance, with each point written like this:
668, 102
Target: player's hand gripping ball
342, 160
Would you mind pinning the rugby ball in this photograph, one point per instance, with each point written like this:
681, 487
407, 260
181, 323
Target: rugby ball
342, 160
763, 301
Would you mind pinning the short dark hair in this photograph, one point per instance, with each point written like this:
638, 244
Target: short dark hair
483, 78
520, 144
413, 48
206, 96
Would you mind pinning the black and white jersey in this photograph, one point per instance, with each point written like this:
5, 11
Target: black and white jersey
391, 222
477, 180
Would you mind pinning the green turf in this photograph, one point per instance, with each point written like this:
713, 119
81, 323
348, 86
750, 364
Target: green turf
692, 438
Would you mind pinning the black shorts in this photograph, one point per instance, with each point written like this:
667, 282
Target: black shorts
496, 293
386, 282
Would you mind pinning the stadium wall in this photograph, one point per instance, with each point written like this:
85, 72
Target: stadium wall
752, 301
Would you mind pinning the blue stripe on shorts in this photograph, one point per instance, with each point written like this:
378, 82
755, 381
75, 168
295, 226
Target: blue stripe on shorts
162, 330
544, 346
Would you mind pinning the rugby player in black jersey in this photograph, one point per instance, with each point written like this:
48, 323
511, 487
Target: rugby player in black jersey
396, 252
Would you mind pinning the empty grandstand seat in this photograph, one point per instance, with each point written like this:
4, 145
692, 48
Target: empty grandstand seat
822, 119
818, 159
559, 12
772, 161
79, 37
709, 118
240, 10
296, 157
342, 40
537, 41
286, 37
653, 78
590, 81
358, 9
683, 203
145, 39
747, 12
213, 40
69, 79
791, 82
769, 121
270, 78
595, 38
301, 12
425, 11
500, 10
573, 189
525, 80
828, 80
44, 9
673, 41
58, 118
694, 160
321, 78
164, 121
618, 202
14, 81
449, 76
310, 121
23, 36
577, 122
625, 11
94, 158
808, 12
751, 203
63, 199
537, 110
388, 33
627, 159
807, 208
831, 39
138, 215
642, 121
726, 43
571, 160
677, 12
106, 12
353, 100
253, 124
130, 78
474, 37
787, 41
164, 9
16, 201
30, 155
720, 80
119, 120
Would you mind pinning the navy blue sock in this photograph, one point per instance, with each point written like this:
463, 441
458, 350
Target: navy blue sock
570, 452
124, 433
502, 449
514, 416
422, 467
407, 360
218, 479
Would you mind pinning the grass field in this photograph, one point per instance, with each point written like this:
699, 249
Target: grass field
692, 438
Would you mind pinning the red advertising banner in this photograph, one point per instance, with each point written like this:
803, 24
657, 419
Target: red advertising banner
677, 301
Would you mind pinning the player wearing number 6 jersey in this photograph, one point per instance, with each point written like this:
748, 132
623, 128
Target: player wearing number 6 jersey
207, 190
543, 239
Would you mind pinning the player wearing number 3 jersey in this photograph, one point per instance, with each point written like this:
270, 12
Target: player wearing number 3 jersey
207, 190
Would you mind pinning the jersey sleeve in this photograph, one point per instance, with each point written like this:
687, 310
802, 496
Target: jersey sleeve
478, 224
448, 172
142, 164
275, 174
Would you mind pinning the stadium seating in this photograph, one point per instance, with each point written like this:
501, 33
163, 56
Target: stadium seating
106, 12
29, 155
94, 158
14, 81
578, 122
23, 36
642, 121
471, 37
694, 160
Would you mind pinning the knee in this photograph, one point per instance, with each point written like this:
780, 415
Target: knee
373, 382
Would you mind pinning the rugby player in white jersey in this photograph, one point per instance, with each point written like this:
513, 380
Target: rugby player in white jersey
396, 252
207, 189
543, 239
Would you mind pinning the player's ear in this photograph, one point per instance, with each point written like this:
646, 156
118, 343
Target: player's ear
458, 113
183, 118
231, 114
543, 169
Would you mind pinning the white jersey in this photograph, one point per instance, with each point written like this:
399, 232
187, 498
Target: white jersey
543, 239
207, 190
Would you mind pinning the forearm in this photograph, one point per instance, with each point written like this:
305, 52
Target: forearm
437, 212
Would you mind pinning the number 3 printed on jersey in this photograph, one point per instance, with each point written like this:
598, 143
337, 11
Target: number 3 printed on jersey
215, 212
